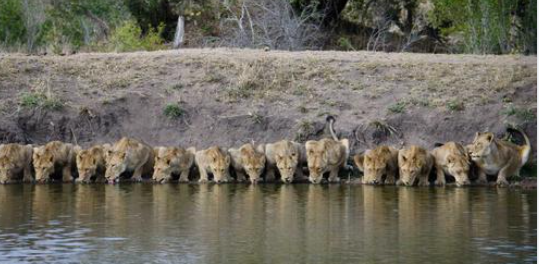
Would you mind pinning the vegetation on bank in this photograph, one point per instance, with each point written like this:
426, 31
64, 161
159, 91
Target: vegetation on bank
453, 26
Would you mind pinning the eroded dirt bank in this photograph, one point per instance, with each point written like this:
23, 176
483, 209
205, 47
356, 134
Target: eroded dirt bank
228, 97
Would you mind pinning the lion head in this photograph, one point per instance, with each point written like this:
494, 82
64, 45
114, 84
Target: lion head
286, 157
253, 162
459, 167
481, 146
317, 160
168, 161
87, 163
219, 164
411, 163
7, 168
116, 165
375, 164
43, 159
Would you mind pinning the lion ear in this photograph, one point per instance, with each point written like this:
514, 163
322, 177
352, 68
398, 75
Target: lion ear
227, 159
490, 137
449, 159
477, 134
244, 151
122, 155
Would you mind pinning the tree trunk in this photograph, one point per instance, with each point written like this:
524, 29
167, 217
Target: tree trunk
178, 36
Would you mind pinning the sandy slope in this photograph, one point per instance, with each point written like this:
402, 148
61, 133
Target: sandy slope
228, 97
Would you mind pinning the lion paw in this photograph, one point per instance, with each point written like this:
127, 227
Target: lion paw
439, 183
482, 182
502, 183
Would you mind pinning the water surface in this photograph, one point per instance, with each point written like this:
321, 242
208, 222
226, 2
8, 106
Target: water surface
302, 223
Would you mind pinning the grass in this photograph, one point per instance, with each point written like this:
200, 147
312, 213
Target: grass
45, 100
397, 108
455, 105
173, 110
521, 113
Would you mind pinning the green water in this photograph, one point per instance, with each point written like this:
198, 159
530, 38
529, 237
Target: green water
302, 223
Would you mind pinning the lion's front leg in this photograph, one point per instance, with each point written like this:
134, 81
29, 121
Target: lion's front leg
203, 174
423, 180
66, 174
27, 174
184, 176
482, 177
390, 178
440, 176
137, 174
334, 175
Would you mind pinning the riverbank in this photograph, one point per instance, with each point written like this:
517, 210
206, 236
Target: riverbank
203, 97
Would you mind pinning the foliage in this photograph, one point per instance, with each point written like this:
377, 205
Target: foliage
173, 110
461, 26
488, 26
128, 37
12, 30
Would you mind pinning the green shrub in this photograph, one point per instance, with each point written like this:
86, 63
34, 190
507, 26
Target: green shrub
40, 99
128, 37
397, 108
173, 110
12, 29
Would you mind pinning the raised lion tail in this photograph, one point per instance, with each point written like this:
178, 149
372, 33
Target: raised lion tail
526, 149
331, 120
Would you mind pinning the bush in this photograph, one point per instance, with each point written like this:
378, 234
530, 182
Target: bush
12, 28
173, 110
128, 37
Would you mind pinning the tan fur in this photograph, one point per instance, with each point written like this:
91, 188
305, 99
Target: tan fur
287, 157
91, 163
326, 155
129, 155
414, 163
494, 156
376, 163
215, 161
172, 160
248, 160
14, 159
452, 159
54, 154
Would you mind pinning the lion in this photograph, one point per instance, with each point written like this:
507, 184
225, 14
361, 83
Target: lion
91, 163
248, 160
14, 159
287, 157
172, 160
327, 155
494, 156
53, 155
452, 159
378, 162
216, 161
414, 163
129, 155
